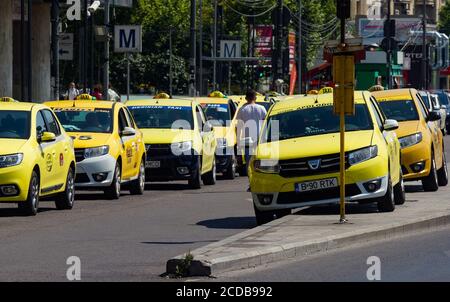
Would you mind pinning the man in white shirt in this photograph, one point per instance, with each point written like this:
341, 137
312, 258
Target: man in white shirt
72, 92
250, 119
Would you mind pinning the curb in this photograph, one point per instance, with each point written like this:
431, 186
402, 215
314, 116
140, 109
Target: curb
206, 266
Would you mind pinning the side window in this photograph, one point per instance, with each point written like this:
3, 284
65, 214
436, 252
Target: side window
200, 118
232, 109
40, 124
378, 118
123, 122
52, 124
130, 118
422, 107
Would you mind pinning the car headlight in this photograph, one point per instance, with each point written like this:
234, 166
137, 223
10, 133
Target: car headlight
266, 166
11, 160
181, 147
221, 143
410, 140
362, 155
95, 152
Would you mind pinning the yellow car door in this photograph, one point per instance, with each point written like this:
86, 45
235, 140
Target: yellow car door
207, 138
46, 159
128, 142
135, 143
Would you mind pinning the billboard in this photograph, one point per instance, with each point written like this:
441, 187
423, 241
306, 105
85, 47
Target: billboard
372, 30
263, 41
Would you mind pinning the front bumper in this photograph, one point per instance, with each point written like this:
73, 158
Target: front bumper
15, 176
87, 168
172, 167
412, 156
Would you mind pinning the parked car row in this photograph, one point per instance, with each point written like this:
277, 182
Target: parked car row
392, 138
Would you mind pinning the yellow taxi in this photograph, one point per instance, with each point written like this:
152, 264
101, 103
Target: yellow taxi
423, 153
36, 158
109, 148
180, 143
221, 114
296, 163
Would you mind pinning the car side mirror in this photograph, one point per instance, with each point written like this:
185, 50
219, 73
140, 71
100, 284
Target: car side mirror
433, 116
128, 131
47, 137
208, 127
390, 125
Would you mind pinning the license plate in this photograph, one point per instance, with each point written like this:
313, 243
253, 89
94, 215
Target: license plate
316, 185
153, 164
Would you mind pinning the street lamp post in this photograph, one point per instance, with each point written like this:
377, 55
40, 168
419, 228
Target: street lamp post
106, 53
424, 47
299, 71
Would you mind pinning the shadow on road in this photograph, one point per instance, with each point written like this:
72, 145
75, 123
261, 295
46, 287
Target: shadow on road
166, 187
177, 242
14, 212
413, 188
229, 223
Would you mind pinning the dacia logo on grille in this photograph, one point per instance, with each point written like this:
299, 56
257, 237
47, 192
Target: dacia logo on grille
314, 164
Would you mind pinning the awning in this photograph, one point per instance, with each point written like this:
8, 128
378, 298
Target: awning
317, 69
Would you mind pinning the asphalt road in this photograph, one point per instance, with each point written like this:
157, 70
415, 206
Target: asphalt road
126, 240
422, 257
132, 238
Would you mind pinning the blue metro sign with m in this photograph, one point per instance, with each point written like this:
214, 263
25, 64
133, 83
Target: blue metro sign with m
127, 38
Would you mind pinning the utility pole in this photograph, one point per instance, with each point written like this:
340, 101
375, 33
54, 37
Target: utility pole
30, 52
215, 47
85, 45
200, 25
299, 63
193, 50
280, 40
389, 47
106, 53
424, 47
170, 63
55, 48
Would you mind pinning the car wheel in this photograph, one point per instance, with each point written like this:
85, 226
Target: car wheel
66, 199
387, 202
210, 178
430, 183
137, 186
442, 173
31, 205
113, 191
263, 217
231, 169
399, 191
195, 182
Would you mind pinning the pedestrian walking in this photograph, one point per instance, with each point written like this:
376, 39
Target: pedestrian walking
72, 92
250, 119
97, 93
112, 95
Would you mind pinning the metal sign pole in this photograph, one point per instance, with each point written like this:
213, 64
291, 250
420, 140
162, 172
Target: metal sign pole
128, 75
342, 141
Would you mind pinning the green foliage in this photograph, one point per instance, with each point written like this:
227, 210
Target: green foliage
444, 18
182, 270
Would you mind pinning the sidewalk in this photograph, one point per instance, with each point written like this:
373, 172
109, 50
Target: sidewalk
315, 230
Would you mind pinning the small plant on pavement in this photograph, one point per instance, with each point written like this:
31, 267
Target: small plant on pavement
182, 269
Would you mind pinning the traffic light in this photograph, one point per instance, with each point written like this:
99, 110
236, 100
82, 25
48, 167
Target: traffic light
344, 79
343, 9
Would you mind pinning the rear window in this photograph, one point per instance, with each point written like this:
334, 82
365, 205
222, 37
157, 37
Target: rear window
402, 110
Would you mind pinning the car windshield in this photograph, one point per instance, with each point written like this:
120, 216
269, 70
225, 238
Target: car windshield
85, 120
218, 113
402, 110
443, 97
14, 124
162, 117
317, 121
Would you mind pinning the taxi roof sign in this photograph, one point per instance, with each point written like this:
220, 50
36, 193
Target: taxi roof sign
7, 99
216, 94
162, 95
84, 96
325, 90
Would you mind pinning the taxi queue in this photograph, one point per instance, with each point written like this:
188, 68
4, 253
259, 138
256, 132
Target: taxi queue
51, 150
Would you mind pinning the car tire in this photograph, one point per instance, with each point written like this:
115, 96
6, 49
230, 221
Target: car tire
387, 202
263, 217
231, 169
137, 186
30, 207
195, 182
399, 191
210, 178
442, 173
113, 191
65, 200
430, 183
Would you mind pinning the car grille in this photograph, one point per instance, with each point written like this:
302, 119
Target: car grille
300, 167
158, 150
294, 197
79, 155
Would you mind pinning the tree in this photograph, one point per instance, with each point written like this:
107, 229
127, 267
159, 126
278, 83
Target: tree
444, 18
